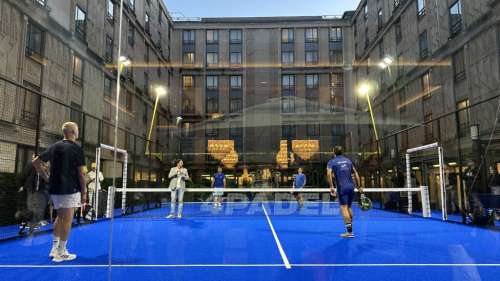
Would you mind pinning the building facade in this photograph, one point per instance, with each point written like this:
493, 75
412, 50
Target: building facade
259, 85
64, 53
432, 68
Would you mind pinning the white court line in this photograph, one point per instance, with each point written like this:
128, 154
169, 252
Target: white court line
254, 265
278, 243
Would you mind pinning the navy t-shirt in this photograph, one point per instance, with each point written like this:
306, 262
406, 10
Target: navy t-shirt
300, 181
65, 158
342, 169
219, 180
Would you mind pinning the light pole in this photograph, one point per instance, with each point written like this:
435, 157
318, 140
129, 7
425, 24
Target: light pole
160, 91
364, 91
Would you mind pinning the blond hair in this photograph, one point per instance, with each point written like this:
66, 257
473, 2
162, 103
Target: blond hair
69, 127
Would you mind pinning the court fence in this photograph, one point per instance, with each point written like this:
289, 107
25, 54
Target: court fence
31, 120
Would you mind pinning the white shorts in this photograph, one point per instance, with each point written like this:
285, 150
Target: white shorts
218, 191
67, 201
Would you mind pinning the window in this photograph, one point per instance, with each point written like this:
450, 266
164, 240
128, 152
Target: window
76, 114
312, 81
336, 103
212, 36
212, 104
187, 130
188, 58
336, 34
313, 130
30, 109
235, 129
77, 70
108, 86
188, 36
311, 57
235, 105
108, 56
211, 130
131, 34
365, 11
459, 65
425, 82
424, 47
41, 2
421, 8
110, 11
235, 36
288, 131
287, 57
235, 82
131, 4
212, 82
336, 57
429, 128
80, 23
146, 83
287, 35
146, 22
455, 18
398, 31
288, 104
400, 66
288, 81
380, 19
463, 116
311, 35
212, 59
312, 104
129, 101
187, 82
35, 40
235, 58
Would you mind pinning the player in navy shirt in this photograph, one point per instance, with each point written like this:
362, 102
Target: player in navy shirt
342, 170
218, 182
299, 183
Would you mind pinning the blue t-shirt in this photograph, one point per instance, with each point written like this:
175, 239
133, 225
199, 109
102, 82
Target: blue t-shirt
219, 180
300, 181
342, 170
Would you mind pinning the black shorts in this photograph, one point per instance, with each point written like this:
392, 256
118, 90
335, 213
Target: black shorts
346, 197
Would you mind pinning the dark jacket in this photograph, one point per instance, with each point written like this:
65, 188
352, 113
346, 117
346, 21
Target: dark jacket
28, 179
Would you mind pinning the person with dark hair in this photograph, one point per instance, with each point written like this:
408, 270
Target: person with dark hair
67, 186
37, 195
342, 170
298, 184
218, 183
178, 176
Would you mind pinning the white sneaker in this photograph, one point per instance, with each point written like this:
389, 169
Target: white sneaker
179, 216
171, 216
65, 256
347, 235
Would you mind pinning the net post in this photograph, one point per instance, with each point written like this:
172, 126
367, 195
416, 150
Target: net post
408, 183
124, 185
98, 183
444, 212
426, 208
110, 203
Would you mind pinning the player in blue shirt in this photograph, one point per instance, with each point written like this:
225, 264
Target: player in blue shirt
342, 170
218, 183
299, 183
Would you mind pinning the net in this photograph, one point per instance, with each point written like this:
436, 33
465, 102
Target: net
156, 202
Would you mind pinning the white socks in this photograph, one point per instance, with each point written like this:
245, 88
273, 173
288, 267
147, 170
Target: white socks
62, 247
55, 242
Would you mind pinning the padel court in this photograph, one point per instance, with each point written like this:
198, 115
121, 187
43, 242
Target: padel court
261, 241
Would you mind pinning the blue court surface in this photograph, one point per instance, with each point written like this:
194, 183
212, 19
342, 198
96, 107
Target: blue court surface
261, 241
